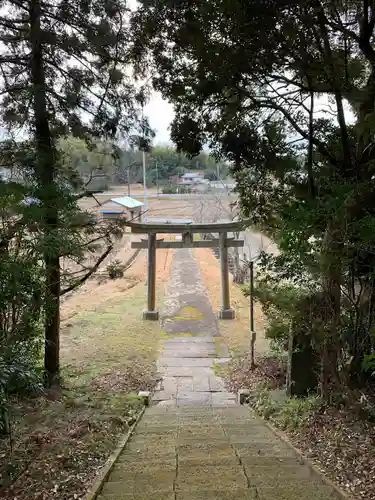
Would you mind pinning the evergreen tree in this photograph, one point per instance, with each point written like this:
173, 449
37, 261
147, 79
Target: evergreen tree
63, 71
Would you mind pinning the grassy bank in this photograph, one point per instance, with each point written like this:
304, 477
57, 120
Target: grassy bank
60, 439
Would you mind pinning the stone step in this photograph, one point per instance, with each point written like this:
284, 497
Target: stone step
233, 412
196, 453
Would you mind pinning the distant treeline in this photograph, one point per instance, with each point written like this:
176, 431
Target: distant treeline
164, 163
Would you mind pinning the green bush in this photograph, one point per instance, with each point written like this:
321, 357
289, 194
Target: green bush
21, 369
368, 364
169, 189
176, 188
115, 270
292, 413
21, 291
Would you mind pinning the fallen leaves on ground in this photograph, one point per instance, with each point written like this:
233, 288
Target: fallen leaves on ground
60, 441
343, 447
58, 446
139, 376
336, 440
268, 370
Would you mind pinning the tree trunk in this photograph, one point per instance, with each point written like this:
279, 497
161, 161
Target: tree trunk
331, 343
310, 152
303, 366
45, 173
361, 341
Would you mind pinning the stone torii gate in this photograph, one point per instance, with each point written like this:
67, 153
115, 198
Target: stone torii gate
187, 231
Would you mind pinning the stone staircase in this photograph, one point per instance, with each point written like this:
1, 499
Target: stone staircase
196, 453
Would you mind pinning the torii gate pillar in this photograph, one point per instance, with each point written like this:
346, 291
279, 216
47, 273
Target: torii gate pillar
226, 312
151, 313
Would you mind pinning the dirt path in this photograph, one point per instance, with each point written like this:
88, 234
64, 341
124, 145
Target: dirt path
193, 345
236, 332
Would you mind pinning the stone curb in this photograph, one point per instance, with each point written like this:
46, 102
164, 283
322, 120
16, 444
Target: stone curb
97, 486
281, 435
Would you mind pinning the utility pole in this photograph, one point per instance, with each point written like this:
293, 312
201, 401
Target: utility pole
129, 172
157, 178
252, 331
144, 185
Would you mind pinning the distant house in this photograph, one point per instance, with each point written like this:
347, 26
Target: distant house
162, 220
124, 206
174, 179
227, 185
190, 178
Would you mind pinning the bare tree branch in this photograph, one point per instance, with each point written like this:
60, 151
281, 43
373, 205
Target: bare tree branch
87, 275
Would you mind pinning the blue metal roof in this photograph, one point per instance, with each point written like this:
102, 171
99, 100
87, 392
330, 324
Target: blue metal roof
191, 175
110, 211
126, 201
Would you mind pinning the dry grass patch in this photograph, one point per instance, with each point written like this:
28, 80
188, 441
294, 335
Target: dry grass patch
236, 333
109, 336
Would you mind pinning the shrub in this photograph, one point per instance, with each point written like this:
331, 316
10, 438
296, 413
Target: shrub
21, 372
176, 188
115, 270
290, 414
169, 189
21, 287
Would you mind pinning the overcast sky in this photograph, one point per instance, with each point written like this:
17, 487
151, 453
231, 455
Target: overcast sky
160, 114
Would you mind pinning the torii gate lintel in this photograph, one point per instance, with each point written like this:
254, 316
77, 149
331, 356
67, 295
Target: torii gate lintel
187, 231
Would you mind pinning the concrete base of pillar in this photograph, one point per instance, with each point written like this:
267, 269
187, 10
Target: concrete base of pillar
145, 396
243, 396
227, 314
151, 315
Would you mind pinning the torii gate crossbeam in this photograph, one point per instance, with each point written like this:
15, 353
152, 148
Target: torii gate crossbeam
187, 231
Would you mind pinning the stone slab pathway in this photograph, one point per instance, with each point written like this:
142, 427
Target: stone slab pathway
193, 344
196, 453
197, 443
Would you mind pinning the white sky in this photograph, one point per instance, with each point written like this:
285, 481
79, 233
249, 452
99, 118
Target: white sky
160, 114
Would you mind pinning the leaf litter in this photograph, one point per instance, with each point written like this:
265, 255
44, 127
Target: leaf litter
338, 441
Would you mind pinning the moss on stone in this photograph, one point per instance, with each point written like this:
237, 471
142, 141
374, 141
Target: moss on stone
143, 482
212, 477
123, 495
189, 313
227, 494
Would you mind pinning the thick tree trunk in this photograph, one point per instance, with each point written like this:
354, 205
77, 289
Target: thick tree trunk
331, 343
45, 172
303, 366
361, 341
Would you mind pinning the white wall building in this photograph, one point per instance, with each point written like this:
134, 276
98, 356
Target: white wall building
124, 206
190, 178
